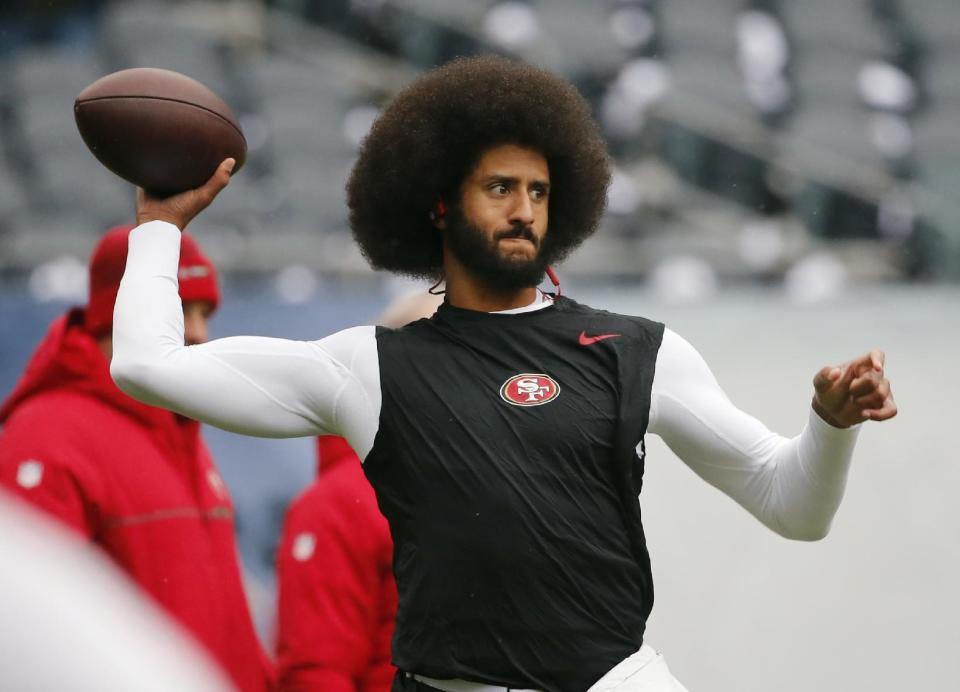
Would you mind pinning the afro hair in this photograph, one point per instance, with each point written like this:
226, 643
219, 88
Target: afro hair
434, 131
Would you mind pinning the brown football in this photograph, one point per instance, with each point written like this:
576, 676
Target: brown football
158, 129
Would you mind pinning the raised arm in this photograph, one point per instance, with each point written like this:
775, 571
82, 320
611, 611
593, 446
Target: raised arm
251, 385
792, 485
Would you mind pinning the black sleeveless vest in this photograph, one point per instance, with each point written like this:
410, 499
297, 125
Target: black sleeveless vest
506, 465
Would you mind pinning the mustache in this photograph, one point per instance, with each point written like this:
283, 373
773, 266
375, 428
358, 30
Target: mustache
518, 231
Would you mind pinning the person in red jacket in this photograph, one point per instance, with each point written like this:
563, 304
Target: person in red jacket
337, 595
136, 481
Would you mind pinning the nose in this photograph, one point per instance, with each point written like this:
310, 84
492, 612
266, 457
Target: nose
522, 211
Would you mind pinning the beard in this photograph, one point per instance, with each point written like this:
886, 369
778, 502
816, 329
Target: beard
482, 257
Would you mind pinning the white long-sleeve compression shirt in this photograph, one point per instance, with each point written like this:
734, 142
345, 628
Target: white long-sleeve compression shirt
272, 387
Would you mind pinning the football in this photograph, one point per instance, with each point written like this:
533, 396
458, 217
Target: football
158, 129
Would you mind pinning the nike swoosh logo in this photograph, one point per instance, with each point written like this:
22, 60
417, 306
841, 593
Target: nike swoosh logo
588, 340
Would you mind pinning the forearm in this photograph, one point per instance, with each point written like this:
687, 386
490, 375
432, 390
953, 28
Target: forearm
794, 486
148, 315
148, 331
812, 474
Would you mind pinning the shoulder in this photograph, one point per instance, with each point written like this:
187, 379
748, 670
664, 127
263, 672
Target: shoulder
399, 347
48, 455
678, 357
355, 351
81, 434
682, 375
345, 345
413, 330
597, 319
62, 425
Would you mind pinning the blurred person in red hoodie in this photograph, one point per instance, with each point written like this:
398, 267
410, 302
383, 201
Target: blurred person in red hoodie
135, 480
337, 595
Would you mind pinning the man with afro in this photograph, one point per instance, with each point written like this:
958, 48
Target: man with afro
501, 434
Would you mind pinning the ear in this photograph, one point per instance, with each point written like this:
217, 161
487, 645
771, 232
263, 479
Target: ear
438, 223
438, 215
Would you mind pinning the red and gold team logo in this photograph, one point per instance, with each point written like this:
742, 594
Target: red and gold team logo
529, 390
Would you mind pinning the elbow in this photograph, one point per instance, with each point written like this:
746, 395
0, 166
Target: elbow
810, 535
808, 532
129, 374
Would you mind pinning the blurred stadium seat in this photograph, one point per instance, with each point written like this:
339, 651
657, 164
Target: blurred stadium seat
677, 84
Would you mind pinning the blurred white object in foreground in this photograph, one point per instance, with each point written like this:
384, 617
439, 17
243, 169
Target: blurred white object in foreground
72, 622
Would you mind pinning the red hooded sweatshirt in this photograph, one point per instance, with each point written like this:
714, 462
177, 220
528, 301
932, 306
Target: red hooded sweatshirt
338, 599
138, 482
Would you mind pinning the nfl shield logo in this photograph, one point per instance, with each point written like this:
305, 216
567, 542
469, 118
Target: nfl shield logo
29, 474
529, 389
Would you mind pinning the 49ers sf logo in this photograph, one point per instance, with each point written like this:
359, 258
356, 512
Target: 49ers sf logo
529, 390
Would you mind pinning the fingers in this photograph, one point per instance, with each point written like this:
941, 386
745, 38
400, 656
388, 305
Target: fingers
865, 384
885, 412
826, 378
871, 386
859, 375
195, 201
219, 180
872, 394
874, 400
855, 391
873, 360
225, 169
181, 208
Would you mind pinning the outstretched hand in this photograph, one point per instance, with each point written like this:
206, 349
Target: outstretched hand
854, 392
180, 209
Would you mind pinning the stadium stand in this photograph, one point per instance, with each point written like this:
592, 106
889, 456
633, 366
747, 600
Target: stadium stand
675, 84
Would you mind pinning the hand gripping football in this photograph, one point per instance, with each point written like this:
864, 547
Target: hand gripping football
158, 129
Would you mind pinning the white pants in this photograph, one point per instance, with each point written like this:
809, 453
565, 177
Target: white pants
644, 671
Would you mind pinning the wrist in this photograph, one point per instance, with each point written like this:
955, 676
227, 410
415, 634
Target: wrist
825, 415
166, 218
